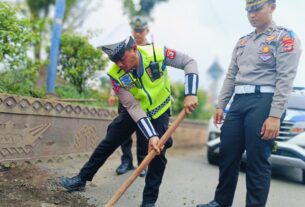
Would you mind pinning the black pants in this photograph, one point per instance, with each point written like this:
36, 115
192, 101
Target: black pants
240, 132
126, 146
118, 131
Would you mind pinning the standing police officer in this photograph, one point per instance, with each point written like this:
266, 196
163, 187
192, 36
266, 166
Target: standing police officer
261, 74
140, 79
140, 30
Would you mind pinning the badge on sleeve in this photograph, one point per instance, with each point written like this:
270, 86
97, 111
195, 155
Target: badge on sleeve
242, 42
171, 54
288, 44
115, 85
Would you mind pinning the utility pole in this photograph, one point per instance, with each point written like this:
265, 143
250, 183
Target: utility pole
54, 52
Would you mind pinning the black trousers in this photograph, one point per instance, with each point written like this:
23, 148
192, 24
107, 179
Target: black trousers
126, 146
240, 132
118, 131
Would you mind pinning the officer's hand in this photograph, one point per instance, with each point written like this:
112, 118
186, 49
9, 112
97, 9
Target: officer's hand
218, 116
153, 145
111, 100
190, 103
270, 129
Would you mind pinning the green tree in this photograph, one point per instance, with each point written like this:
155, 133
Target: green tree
78, 60
178, 104
39, 12
16, 37
143, 8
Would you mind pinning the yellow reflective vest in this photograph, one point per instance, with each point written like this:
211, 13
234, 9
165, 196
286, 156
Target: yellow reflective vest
153, 95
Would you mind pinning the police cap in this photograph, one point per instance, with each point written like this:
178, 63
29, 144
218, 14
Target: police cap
116, 51
138, 23
256, 5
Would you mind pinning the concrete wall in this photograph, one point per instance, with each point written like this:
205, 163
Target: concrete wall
36, 128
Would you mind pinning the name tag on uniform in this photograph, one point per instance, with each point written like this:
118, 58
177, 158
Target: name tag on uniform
265, 57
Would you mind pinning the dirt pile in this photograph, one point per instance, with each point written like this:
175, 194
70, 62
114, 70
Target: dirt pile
34, 187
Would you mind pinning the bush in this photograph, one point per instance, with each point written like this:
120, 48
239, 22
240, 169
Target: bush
78, 60
178, 104
18, 72
16, 38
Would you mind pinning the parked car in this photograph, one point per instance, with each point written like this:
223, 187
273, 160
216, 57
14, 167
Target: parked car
290, 147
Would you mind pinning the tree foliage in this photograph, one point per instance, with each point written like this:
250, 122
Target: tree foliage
178, 103
143, 8
15, 37
39, 12
78, 60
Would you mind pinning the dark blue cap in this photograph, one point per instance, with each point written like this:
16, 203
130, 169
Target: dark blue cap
138, 23
256, 5
116, 51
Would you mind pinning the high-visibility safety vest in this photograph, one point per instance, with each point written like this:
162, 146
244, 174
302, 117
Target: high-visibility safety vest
153, 95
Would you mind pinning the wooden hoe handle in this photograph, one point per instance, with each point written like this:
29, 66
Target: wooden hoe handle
146, 161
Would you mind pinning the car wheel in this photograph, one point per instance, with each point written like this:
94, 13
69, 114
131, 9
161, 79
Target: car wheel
213, 158
303, 177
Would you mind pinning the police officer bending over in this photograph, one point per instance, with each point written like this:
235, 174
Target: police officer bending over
140, 30
261, 74
140, 79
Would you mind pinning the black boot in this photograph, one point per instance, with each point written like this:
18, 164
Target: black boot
148, 205
73, 184
211, 204
124, 167
143, 173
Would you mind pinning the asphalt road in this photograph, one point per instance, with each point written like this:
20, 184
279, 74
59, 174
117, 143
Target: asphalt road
188, 180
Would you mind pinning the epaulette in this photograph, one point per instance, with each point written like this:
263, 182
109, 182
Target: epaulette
246, 36
290, 32
243, 40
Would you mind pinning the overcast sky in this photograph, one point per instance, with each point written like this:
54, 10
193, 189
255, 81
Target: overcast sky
207, 30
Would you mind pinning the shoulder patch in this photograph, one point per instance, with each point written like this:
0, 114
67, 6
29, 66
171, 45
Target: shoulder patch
115, 85
171, 54
243, 40
288, 43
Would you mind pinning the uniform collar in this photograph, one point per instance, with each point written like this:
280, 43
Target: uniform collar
140, 69
267, 31
270, 29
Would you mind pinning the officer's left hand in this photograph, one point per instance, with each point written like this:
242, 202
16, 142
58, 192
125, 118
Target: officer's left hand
111, 100
190, 103
270, 128
153, 145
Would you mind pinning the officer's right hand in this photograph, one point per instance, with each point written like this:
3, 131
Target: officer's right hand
153, 145
218, 116
111, 100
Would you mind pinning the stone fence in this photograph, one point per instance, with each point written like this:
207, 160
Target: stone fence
33, 128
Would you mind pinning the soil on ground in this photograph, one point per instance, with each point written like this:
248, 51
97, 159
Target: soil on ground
35, 187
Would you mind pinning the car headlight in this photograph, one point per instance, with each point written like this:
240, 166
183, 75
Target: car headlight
298, 128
